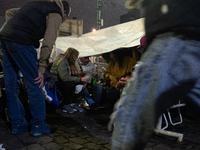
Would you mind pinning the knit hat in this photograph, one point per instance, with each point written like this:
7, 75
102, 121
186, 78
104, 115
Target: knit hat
143, 41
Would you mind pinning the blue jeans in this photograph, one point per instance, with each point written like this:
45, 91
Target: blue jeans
167, 72
24, 58
97, 94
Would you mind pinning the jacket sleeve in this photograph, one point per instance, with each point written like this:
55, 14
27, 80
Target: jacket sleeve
132, 4
108, 74
10, 12
90, 69
65, 74
53, 22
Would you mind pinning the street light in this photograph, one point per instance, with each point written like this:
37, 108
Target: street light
94, 30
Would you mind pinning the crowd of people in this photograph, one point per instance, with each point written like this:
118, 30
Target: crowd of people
142, 85
75, 77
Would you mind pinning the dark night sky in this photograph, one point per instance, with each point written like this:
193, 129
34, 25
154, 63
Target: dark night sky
81, 9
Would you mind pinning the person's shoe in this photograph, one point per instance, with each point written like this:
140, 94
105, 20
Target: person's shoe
99, 105
68, 108
76, 107
37, 130
83, 103
65, 111
73, 106
17, 129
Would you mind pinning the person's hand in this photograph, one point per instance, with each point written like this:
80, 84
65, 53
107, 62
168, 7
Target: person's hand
125, 79
122, 82
114, 79
85, 79
120, 85
81, 73
39, 80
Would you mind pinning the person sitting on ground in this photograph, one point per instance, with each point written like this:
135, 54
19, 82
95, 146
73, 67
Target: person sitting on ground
118, 67
141, 48
66, 71
89, 68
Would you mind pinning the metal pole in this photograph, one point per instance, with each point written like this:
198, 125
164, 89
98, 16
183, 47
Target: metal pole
99, 6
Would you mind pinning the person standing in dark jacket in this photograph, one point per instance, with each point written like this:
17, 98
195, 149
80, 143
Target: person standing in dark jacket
19, 36
168, 71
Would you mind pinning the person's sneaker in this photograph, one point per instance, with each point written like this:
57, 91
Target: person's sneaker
37, 130
73, 106
17, 129
76, 107
83, 103
65, 111
68, 108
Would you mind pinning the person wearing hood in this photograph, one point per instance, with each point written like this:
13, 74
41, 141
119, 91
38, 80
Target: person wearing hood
19, 38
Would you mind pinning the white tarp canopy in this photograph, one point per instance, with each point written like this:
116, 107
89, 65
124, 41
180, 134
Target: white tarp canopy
105, 40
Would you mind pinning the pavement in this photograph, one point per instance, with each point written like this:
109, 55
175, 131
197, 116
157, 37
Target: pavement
88, 131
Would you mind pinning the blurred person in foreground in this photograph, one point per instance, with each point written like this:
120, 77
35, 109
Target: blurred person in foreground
19, 38
168, 71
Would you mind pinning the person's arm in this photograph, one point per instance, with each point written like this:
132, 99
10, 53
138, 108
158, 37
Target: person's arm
90, 70
53, 22
10, 12
93, 70
64, 73
122, 82
132, 4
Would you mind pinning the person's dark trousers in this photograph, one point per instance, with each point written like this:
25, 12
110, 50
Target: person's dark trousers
97, 92
24, 58
113, 95
67, 90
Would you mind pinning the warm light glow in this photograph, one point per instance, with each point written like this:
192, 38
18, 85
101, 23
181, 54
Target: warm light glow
93, 30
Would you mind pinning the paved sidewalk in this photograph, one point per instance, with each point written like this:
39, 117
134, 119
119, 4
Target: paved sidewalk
88, 131
75, 131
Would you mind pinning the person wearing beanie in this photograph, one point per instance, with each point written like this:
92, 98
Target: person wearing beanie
143, 44
19, 38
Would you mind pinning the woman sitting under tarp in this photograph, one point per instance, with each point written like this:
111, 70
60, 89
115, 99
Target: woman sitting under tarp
68, 79
119, 66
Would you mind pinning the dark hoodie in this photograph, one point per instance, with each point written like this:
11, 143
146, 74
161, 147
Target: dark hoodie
178, 16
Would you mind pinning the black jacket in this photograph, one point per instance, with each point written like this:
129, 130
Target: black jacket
28, 25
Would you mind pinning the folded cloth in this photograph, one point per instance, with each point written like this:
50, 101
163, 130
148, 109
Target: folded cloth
79, 87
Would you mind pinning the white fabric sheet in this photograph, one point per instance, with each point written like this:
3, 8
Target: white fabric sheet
104, 40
